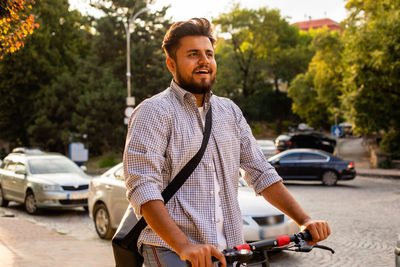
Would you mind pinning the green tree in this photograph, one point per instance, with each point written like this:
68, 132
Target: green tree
260, 52
103, 75
27, 75
372, 66
316, 94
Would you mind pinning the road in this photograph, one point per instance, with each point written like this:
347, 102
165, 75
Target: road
363, 214
364, 218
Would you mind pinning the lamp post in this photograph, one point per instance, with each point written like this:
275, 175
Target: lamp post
130, 101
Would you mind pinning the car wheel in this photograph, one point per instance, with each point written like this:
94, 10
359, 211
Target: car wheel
3, 201
102, 222
30, 203
329, 178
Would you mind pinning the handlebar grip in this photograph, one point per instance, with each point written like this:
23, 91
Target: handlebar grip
306, 235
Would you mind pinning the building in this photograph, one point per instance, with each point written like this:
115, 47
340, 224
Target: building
318, 23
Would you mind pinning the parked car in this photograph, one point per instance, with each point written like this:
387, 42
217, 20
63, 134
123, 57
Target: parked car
107, 205
312, 164
305, 140
42, 180
267, 147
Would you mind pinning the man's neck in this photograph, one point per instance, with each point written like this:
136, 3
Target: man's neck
199, 99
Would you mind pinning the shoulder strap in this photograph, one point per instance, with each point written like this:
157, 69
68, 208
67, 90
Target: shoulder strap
131, 238
186, 171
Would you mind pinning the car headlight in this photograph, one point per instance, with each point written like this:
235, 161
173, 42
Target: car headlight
51, 187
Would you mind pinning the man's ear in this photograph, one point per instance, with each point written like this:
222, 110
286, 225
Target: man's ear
171, 65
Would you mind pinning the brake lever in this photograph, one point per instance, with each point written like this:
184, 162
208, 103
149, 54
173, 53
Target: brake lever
302, 246
324, 247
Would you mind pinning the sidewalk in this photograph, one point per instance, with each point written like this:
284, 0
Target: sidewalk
23, 244
354, 150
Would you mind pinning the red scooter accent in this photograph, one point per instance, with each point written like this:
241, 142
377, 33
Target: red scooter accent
283, 240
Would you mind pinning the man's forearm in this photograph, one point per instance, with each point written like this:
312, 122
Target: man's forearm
280, 197
158, 218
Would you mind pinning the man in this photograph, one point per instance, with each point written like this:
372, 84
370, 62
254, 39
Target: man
165, 132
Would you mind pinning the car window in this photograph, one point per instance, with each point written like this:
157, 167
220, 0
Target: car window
20, 167
53, 165
119, 174
290, 157
10, 166
312, 156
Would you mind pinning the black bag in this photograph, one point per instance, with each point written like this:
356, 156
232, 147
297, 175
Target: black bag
124, 242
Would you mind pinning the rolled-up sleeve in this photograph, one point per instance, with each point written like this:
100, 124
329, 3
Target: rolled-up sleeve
258, 172
144, 154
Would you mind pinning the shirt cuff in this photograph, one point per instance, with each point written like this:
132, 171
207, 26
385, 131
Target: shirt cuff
266, 180
144, 193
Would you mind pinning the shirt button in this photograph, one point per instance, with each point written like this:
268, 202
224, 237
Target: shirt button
212, 219
209, 165
211, 192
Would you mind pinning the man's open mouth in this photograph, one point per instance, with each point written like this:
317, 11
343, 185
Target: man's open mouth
202, 71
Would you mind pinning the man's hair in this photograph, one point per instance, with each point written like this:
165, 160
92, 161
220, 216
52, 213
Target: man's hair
178, 30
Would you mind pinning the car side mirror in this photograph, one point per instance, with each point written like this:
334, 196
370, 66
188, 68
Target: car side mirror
23, 172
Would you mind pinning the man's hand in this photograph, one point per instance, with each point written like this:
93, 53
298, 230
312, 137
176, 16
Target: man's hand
319, 230
200, 255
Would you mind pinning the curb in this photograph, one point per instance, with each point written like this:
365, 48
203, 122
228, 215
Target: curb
378, 175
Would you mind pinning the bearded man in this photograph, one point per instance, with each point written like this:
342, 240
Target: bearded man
166, 131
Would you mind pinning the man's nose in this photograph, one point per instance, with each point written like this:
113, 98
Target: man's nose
203, 58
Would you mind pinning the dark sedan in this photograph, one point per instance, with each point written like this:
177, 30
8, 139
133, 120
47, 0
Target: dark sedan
313, 140
312, 164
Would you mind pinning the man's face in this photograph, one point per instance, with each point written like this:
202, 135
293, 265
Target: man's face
194, 67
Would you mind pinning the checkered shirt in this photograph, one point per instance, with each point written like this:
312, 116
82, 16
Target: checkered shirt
165, 132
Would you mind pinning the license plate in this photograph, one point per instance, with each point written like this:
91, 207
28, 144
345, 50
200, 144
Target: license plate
80, 195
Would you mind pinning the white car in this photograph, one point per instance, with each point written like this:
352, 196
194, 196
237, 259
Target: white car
107, 205
267, 147
42, 180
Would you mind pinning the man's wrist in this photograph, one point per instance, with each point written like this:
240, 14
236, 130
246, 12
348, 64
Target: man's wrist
304, 221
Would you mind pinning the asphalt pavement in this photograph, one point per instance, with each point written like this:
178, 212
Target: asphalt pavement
24, 243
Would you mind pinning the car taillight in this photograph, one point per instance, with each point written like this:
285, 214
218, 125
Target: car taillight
288, 143
350, 166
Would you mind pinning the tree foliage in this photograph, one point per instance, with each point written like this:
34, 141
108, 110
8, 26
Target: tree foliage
260, 51
26, 75
15, 24
316, 94
372, 65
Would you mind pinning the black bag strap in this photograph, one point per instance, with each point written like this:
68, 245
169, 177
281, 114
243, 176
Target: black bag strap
131, 238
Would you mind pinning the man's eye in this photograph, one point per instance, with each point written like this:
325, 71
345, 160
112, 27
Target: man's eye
192, 54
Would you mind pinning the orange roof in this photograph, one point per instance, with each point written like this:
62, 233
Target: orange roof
317, 23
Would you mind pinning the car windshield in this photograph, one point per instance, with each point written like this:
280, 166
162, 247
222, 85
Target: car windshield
53, 165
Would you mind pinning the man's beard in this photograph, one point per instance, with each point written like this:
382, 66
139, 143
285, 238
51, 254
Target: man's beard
194, 87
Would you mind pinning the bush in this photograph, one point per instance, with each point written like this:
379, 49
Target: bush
108, 162
390, 143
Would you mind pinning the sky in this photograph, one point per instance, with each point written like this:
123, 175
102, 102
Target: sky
293, 10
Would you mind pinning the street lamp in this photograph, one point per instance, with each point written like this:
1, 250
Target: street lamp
130, 101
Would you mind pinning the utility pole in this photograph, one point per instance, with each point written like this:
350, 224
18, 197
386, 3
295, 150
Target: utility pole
130, 101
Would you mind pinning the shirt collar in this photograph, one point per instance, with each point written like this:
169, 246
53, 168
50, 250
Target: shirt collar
182, 93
